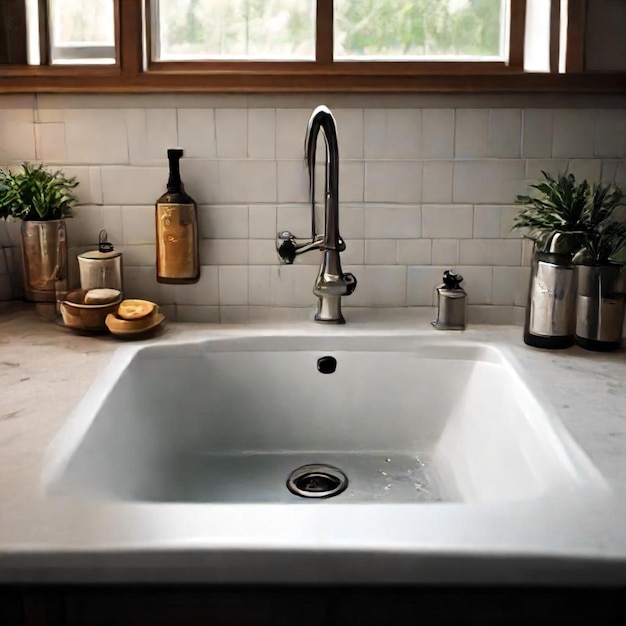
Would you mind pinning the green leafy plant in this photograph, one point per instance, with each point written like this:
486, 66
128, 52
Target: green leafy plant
558, 206
584, 213
604, 236
35, 193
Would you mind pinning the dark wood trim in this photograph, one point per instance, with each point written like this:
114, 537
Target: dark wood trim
340, 68
129, 18
517, 33
324, 32
575, 55
555, 35
307, 83
13, 32
44, 32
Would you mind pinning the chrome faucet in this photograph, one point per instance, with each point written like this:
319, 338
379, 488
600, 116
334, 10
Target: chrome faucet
331, 283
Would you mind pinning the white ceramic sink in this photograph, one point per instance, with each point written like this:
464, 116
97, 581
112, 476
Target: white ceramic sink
407, 419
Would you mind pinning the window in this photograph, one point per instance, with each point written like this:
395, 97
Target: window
295, 45
82, 32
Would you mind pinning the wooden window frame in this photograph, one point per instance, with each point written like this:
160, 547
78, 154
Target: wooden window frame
134, 73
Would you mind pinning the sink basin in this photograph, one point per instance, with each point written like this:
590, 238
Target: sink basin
228, 419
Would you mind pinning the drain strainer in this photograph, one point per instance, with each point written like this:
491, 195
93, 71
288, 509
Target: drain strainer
317, 481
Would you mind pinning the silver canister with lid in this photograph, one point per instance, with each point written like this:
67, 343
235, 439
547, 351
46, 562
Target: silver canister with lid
451, 303
101, 268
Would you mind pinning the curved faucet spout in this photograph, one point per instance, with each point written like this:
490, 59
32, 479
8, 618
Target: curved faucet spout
331, 282
323, 119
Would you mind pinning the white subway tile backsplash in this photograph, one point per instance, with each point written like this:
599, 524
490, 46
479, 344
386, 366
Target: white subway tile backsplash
537, 133
84, 226
150, 133
421, 190
261, 133
440, 221
50, 142
478, 283
504, 133
610, 133
262, 221
536, 167
501, 252
231, 129
445, 252
223, 251
393, 222
139, 255
133, 185
262, 252
351, 181
351, 221
414, 251
614, 172
113, 224
472, 133
437, 181
349, 133
354, 254
97, 136
393, 181
138, 224
196, 132
199, 314
392, 134
383, 285
204, 292
200, 177
487, 221
291, 127
293, 181
573, 133
259, 285
381, 252
437, 133
422, 283
585, 169
296, 219
510, 285
292, 285
233, 285
223, 222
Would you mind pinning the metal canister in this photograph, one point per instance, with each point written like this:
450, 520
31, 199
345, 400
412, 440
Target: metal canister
102, 267
451, 303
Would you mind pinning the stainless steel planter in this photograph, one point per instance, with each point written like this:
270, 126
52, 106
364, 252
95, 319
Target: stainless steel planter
44, 259
600, 306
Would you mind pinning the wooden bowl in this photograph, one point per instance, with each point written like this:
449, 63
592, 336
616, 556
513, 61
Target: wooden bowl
116, 324
80, 316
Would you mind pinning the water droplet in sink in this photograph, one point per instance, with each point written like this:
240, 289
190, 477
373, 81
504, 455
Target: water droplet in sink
387, 460
383, 473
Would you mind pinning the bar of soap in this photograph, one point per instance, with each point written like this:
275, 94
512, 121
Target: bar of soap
135, 309
101, 296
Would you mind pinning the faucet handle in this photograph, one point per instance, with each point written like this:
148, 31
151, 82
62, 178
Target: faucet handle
286, 247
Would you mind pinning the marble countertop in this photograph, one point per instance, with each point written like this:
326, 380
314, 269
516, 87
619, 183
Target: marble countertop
45, 370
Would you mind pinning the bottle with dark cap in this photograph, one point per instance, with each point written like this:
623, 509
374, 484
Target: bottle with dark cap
176, 229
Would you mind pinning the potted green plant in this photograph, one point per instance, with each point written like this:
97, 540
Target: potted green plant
600, 271
553, 220
42, 200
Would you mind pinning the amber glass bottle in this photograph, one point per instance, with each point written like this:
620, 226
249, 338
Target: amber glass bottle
176, 229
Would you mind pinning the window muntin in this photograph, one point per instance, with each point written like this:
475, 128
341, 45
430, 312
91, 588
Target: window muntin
421, 30
203, 30
82, 32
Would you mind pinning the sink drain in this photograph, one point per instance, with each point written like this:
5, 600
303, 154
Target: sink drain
317, 481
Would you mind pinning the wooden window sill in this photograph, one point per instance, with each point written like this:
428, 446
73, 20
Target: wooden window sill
63, 79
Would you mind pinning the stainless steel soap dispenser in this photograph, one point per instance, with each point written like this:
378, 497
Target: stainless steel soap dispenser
451, 303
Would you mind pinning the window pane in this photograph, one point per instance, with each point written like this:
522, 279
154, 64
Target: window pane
82, 32
420, 29
234, 29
